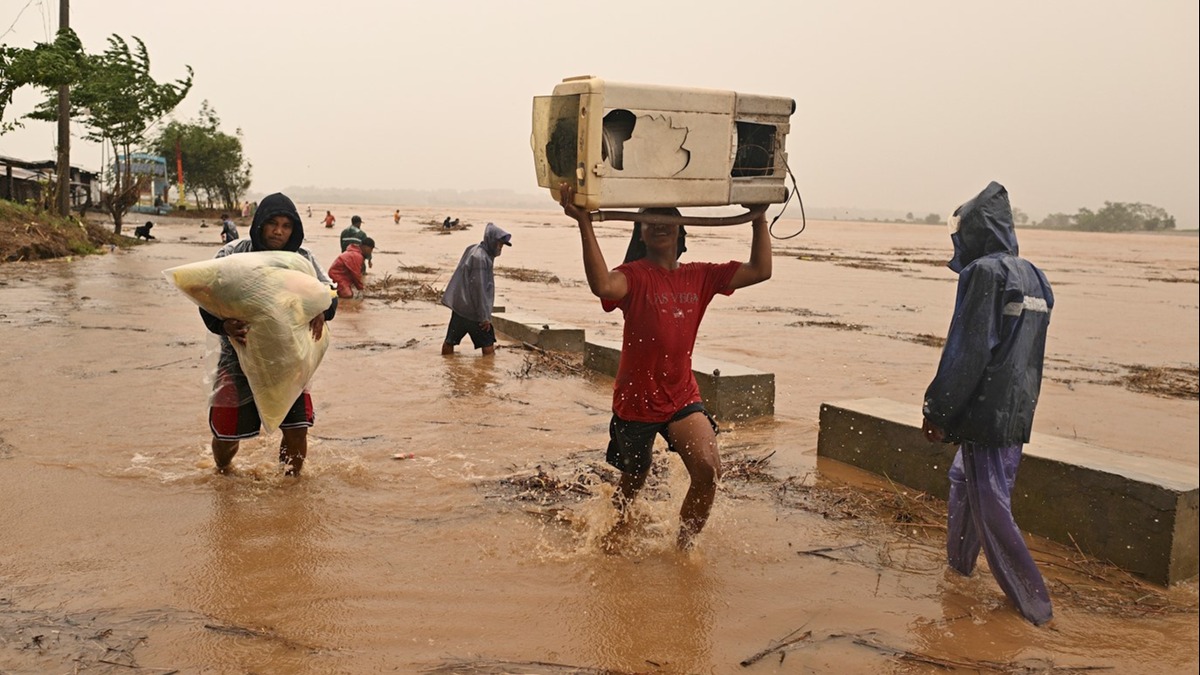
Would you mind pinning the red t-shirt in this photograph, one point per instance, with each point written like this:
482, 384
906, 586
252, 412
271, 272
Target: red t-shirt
662, 312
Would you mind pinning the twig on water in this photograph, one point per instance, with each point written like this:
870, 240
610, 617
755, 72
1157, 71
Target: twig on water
787, 641
824, 551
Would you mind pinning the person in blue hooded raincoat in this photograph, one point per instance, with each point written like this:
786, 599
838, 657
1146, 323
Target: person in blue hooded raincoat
985, 392
471, 293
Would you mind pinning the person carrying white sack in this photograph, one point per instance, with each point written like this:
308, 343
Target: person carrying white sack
233, 414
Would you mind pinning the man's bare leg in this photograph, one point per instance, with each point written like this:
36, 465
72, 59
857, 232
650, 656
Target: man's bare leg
293, 449
693, 437
223, 452
447, 349
627, 489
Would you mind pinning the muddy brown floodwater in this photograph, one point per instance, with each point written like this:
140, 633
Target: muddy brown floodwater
122, 552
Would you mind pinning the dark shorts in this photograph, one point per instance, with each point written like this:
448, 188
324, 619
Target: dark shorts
232, 414
631, 444
460, 326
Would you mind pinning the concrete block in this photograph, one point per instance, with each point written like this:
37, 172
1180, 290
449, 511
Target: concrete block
1139, 513
540, 332
730, 391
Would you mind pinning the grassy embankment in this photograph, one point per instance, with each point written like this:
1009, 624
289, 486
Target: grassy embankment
32, 234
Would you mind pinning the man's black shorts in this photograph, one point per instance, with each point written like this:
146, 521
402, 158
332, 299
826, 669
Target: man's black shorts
631, 443
460, 326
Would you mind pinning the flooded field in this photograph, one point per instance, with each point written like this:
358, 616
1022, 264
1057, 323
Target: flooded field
121, 551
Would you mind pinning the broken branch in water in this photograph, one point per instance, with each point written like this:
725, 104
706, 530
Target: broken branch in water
825, 550
788, 640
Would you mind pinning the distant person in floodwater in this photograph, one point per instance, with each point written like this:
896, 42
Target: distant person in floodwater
985, 392
143, 231
446, 223
329, 219
655, 392
396, 217
229, 230
347, 269
232, 414
471, 293
355, 235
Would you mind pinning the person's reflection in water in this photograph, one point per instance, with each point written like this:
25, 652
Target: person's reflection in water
469, 377
656, 609
264, 571
983, 630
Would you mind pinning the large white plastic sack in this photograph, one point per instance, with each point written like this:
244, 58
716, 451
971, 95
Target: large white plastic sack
277, 293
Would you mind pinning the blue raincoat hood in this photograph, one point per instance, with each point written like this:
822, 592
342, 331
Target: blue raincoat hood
985, 227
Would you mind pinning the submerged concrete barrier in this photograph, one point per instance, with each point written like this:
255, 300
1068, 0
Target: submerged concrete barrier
537, 331
730, 391
1139, 513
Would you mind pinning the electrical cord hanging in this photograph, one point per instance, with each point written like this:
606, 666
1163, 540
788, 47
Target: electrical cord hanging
800, 200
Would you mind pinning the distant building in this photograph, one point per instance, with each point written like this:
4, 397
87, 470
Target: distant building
23, 181
154, 198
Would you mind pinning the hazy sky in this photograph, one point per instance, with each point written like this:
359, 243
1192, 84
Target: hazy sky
901, 105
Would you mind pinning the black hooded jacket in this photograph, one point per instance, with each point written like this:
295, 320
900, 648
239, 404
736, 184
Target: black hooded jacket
271, 206
990, 374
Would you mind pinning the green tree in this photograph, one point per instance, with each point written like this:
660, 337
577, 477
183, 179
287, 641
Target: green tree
932, 219
1057, 221
118, 101
47, 65
214, 166
1019, 217
1124, 217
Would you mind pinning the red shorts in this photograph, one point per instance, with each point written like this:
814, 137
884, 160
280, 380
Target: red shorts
232, 414
231, 424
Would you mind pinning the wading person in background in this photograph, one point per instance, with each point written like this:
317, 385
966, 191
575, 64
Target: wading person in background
346, 270
232, 414
354, 234
471, 293
655, 392
985, 391
229, 230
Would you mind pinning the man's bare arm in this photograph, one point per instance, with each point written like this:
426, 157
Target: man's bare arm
759, 267
603, 282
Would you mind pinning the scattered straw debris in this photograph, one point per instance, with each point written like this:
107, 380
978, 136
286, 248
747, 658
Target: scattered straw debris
1166, 382
377, 345
391, 288
742, 467
526, 274
496, 667
419, 269
798, 311
1176, 280
542, 487
922, 339
835, 325
883, 263
543, 363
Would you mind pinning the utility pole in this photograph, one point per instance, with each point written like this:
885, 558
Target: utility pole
64, 126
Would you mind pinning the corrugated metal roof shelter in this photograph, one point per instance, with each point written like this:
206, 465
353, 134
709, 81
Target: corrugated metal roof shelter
22, 181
